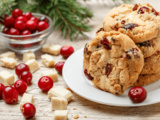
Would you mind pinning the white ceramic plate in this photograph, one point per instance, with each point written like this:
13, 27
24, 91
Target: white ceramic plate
76, 81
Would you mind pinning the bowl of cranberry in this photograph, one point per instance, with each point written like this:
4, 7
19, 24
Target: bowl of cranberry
22, 32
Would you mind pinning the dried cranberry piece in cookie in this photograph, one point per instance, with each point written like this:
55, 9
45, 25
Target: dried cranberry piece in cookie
143, 9
101, 29
135, 7
134, 52
108, 69
155, 12
105, 43
145, 44
130, 26
88, 75
123, 22
86, 50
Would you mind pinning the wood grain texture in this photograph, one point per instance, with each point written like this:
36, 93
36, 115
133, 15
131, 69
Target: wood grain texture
93, 111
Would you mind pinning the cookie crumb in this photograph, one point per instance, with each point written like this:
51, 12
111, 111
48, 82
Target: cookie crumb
74, 109
69, 89
85, 116
76, 117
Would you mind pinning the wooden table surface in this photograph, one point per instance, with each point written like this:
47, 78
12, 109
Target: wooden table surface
93, 111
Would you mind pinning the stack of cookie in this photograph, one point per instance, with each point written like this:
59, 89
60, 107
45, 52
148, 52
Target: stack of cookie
112, 61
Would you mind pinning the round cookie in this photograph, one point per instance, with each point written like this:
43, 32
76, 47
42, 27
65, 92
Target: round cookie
152, 64
149, 47
112, 62
147, 79
138, 21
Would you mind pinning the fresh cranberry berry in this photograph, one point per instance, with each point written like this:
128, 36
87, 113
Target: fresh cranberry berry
5, 30
42, 25
142, 10
21, 68
14, 31
14, 45
1, 89
88, 75
16, 13
43, 18
66, 51
25, 32
20, 86
34, 19
28, 110
26, 76
9, 21
10, 95
28, 15
31, 25
27, 45
21, 18
59, 66
20, 25
45, 83
137, 94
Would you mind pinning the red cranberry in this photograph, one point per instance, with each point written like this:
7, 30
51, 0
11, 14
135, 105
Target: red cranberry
21, 68
34, 19
1, 89
88, 75
42, 25
20, 25
59, 66
31, 25
142, 10
123, 22
66, 51
10, 95
155, 12
137, 94
26, 76
20, 86
28, 110
101, 29
16, 12
105, 43
28, 15
25, 32
5, 30
135, 7
130, 26
108, 69
21, 18
13, 31
27, 45
45, 83
43, 18
14, 45
9, 21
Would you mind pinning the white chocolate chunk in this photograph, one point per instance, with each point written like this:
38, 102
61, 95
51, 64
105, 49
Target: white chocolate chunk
59, 103
8, 62
27, 98
33, 65
6, 78
60, 92
60, 115
47, 60
28, 56
8, 54
51, 49
50, 73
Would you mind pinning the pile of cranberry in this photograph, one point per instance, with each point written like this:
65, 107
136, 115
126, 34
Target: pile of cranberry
20, 23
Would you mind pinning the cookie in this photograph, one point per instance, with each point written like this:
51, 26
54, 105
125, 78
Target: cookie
112, 61
147, 79
152, 64
149, 47
139, 22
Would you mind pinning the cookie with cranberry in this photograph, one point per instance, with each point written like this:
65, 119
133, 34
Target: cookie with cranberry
112, 61
147, 79
152, 64
138, 21
149, 47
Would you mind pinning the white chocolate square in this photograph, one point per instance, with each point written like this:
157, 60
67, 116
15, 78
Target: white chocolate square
59, 103
50, 73
60, 92
51, 49
28, 56
47, 60
27, 98
60, 115
8, 62
9, 54
33, 65
6, 78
